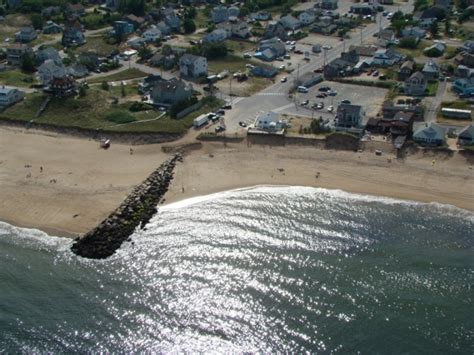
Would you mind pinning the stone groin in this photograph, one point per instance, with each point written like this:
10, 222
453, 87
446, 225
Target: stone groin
137, 210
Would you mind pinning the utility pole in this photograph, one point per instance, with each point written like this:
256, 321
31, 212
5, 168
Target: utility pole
361, 39
230, 88
298, 74
325, 56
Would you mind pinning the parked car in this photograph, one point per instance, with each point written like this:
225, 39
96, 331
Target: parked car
298, 51
282, 67
332, 93
375, 73
321, 96
305, 103
302, 89
327, 47
345, 101
324, 88
227, 107
287, 56
330, 108
221, 112
318, 70
242, 124
283, 80
247, 55
249, 66
219, 129
280, 59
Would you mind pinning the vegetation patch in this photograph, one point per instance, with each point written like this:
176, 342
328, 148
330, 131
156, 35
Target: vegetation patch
126, 74
119, 117
16, 78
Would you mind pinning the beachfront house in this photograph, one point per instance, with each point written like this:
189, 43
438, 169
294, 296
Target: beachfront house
10, 96
270, 122
49, 70
169, 92
415, 85
430, 135
348, 116
192, 66
466, 136
26, 35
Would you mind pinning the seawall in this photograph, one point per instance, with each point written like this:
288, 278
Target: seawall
136, 210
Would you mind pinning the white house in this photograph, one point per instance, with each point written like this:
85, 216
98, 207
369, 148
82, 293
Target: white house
152, 34
192, 66
218, 35
9, 96
49, 70
270, 121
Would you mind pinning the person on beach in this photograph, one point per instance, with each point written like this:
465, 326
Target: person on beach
41, 169
131, 151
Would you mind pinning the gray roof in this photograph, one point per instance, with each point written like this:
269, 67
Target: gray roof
430, 67
4, 90
349, 108
433, 131
467, 132
189, 58
417, 75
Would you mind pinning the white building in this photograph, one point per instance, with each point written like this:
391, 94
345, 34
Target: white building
50, 70
270, 121
10, 96
152, 34
238, 29
192, 66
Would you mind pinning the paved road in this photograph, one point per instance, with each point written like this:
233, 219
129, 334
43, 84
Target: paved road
275, 97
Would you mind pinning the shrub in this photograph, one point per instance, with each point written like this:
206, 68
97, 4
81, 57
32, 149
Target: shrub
181, 105
119, 117
140, 106
408, 42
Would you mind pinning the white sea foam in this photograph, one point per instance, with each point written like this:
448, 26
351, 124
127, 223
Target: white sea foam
305, 190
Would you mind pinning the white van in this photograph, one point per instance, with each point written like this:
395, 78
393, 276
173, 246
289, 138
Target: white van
302, 89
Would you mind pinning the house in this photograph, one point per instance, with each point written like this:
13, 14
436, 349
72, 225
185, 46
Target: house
136, 43
415, 85
386, 57
62, 87
464, 87
265, 72
220, 14
136, 21
169, 92
290, 23
389, 110
152, 34
435, 50
430, 71
234, 12
466, 136
413, 31
466, 59
464, 72
192, 66
164, 28
270, 49
405, 71
173, 21
51, 28
348, 116
16, 52
13, 4
309, 79
307, 17
77, 70
321, 26
147, 84
73, 35
443, 4
112, 5
10, 96
26, 35
402, 124
239, 29
49, 70
467, 46
328, 4
386, 38
218, 35
432, 135
364, 51
275, 29
260, 16
74, 10
337, 68
47, 53
270, 121
50, 11
363, 9
430, 14
122, 28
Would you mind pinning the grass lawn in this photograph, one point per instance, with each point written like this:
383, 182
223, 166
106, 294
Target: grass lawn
432, 87
16, 78
240, 47
91, 112
97, 44
417, 52
201, 19
231, 62
126, 74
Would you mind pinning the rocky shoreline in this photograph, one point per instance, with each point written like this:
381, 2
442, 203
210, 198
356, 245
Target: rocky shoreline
137, 210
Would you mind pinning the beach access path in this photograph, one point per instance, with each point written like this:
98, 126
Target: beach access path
80, 184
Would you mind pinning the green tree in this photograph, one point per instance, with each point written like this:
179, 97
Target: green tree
36, 21
434, 29
166, 49
104, 86
189, 26
82, 90
447, 26
28, 63
190, 13
420, 4
144, 53
210, 27
408, 42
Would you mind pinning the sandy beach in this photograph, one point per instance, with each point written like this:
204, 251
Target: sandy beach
80, 184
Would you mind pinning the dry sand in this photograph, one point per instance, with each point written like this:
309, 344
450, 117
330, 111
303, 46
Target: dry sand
91, 182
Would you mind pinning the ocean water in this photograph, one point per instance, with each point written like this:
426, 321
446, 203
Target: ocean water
269, 269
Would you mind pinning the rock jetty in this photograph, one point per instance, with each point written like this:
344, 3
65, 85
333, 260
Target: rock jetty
137, 210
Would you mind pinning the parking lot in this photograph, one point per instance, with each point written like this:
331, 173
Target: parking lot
371, 99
